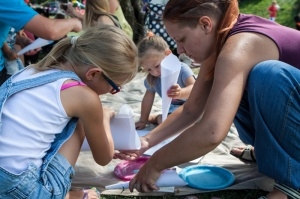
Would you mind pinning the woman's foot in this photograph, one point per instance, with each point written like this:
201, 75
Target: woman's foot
244, 153
276, 194
92, 193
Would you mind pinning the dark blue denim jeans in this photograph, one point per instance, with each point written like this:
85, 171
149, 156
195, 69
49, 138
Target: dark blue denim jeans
269, 119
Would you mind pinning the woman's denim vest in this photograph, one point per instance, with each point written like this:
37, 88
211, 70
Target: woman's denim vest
9, 88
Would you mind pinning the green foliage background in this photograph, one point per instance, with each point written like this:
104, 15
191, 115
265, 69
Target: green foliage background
285, 16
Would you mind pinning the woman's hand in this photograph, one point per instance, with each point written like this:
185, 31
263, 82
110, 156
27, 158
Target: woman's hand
145, 179
174, 92
133, 154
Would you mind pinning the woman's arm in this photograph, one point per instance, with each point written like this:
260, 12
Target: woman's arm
233, 66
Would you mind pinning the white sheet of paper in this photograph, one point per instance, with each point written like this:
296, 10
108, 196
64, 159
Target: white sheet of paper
123, 130
163, 143
158, 146
39, 42
170, 68
169, 178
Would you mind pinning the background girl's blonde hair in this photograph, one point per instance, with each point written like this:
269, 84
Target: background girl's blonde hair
93, 10
188, 12
151, 44
103, 46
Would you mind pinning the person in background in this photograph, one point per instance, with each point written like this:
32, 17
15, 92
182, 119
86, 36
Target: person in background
97, 11
273, 9
152, 50
250, 69
13, 43
16, 14
72, 76
116, 9
101, 11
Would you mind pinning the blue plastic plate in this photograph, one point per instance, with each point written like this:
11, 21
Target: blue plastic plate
207, 177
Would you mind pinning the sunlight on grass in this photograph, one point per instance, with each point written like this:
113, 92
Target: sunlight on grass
285, 16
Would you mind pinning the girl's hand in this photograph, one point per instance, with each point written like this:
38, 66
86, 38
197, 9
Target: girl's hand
174, 92
133, 154
108, 113
33, 52
11, 55
140, 125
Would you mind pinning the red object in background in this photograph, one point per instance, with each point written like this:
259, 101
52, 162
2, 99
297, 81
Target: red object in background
29, 35
27, 1
272, 11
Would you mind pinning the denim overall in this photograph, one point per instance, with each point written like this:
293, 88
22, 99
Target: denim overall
268, 118
53, 178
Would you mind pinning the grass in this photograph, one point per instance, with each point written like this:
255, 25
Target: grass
288, 9
285, 16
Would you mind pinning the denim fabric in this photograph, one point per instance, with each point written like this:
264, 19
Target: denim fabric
52, 180
173, 107
28, 184
269, 119
14, 66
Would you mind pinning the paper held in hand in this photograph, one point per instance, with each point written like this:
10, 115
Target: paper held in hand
123, 131
170, 68
38, 43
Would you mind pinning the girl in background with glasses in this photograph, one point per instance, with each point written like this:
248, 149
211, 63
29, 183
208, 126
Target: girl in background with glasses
48, 109
152, 50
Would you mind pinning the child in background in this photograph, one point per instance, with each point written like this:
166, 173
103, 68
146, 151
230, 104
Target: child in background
152, 50
273, 9
63, 92
12, 61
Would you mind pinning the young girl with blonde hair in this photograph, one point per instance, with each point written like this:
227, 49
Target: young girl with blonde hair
48, 109
152, 50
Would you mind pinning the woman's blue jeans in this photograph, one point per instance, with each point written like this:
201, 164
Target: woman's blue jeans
269, 119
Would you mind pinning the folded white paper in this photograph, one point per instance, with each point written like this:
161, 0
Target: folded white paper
170, 68
39, 42
152, 150
123, 130
168, 178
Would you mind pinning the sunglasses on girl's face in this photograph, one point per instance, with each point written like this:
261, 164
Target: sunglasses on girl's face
116, 88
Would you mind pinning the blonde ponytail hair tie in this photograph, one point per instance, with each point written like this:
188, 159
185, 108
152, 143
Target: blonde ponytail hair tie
73, 41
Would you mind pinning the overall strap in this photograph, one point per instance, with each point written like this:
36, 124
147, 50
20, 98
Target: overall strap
41, 80
9, 88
